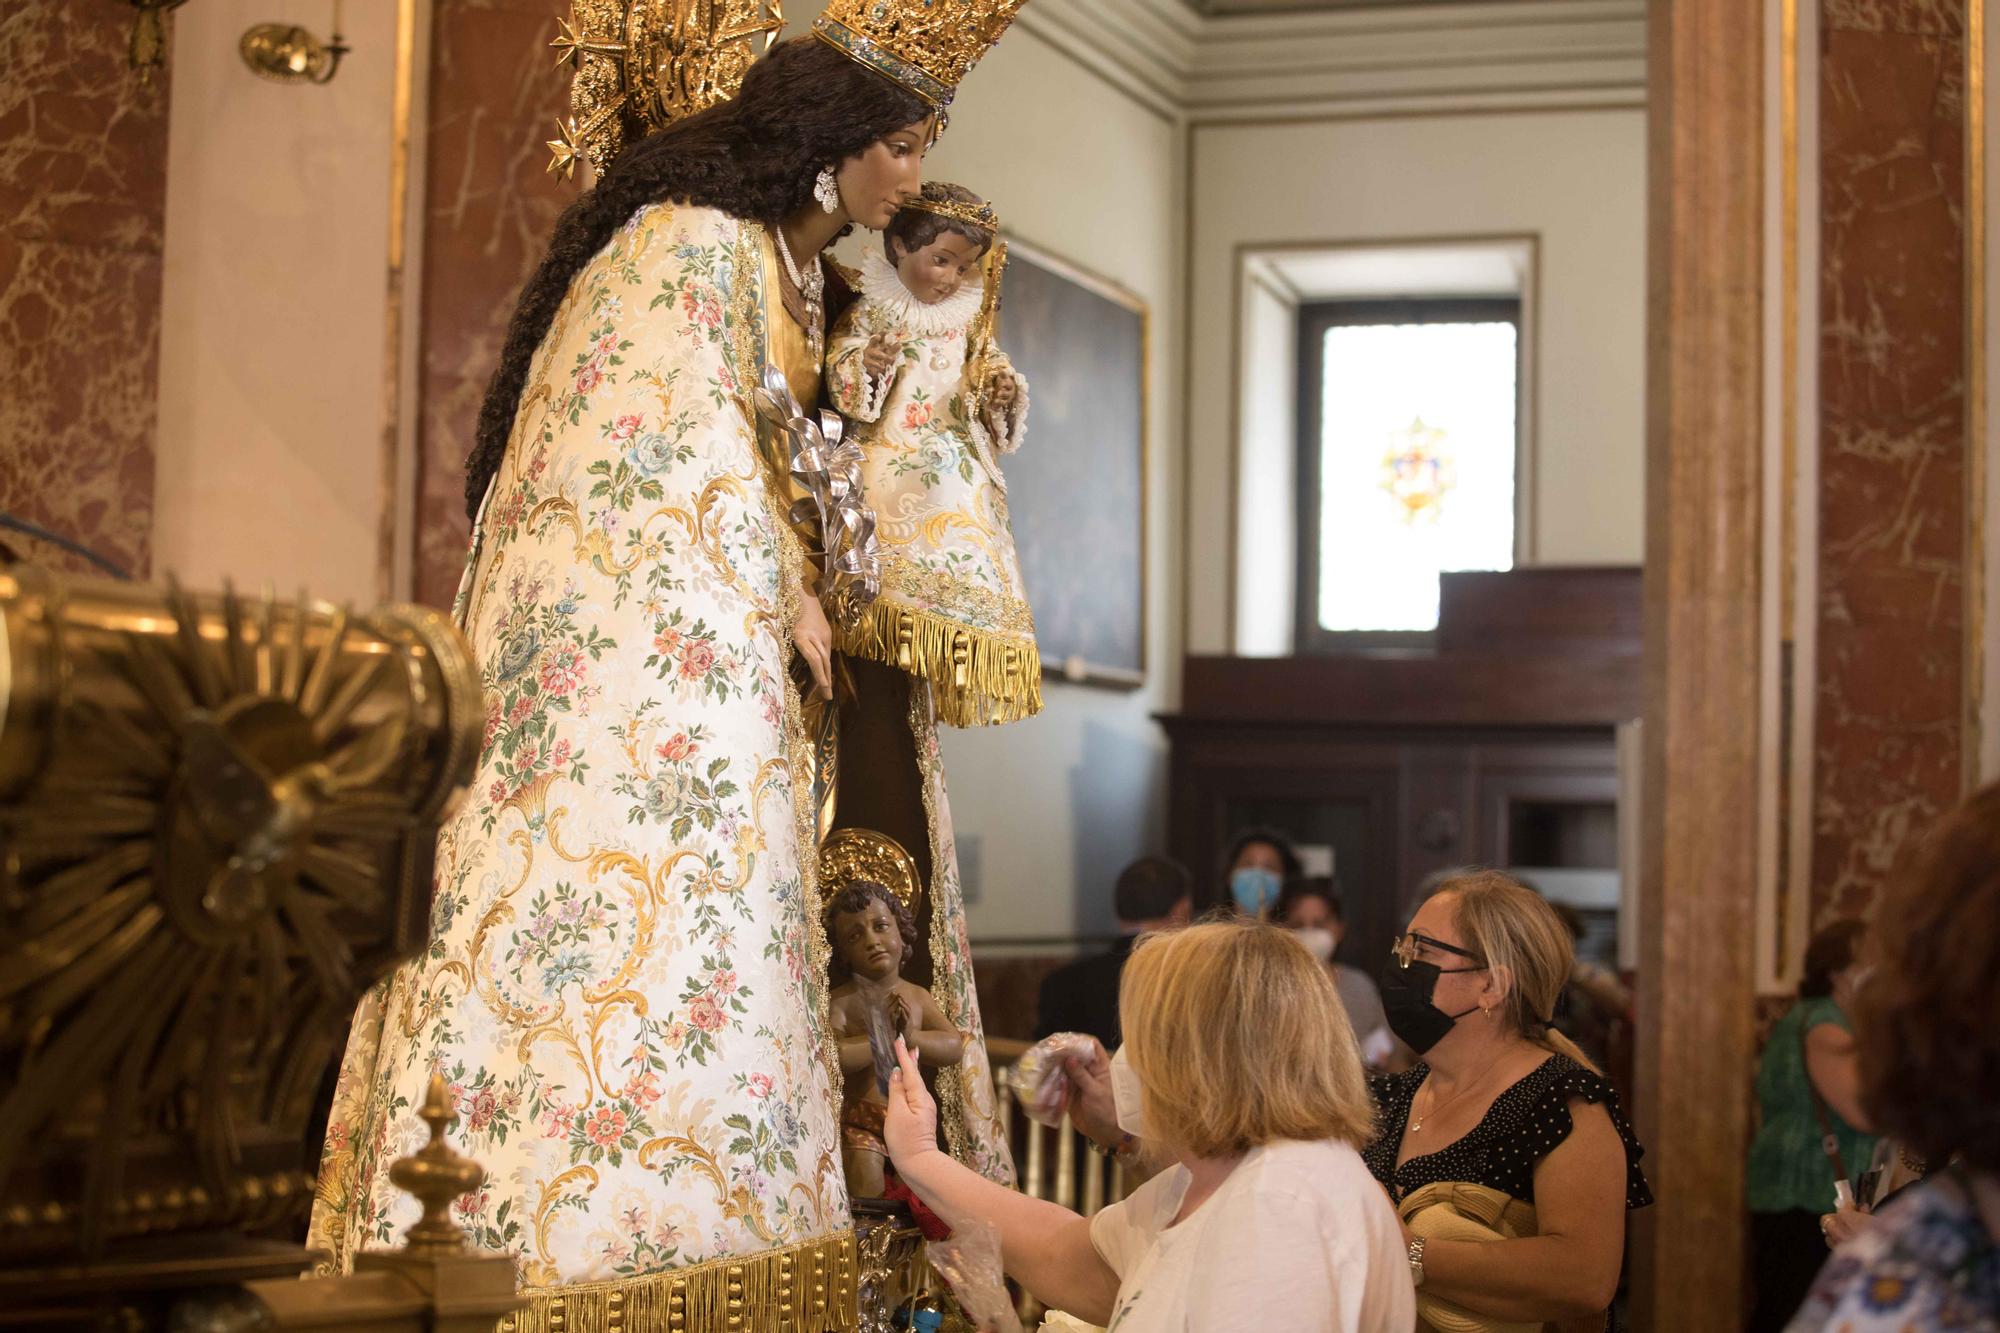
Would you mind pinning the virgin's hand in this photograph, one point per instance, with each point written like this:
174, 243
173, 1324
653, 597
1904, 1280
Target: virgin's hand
909, 1126
1004, 391
813, 637
1092, 1108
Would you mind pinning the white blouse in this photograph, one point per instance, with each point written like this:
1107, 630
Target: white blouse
1299, 1237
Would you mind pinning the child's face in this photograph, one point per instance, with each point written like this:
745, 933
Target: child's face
869, 941
937, 271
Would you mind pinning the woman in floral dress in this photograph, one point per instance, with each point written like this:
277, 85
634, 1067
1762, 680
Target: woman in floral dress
625, 984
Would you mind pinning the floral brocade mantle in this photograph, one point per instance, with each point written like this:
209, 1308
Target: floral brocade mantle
626, 980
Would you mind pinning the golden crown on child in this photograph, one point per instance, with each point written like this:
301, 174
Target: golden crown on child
975, 213
926, 46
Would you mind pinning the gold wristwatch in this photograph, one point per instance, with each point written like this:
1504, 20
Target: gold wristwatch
1417, 1260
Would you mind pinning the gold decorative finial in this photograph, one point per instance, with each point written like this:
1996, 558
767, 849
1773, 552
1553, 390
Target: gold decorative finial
644, 64
437, 1176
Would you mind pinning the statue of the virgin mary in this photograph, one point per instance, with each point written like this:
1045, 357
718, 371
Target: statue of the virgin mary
626, 981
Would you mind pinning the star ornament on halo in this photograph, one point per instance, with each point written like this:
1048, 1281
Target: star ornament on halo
566, 150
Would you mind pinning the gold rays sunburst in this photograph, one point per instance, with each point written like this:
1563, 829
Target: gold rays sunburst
227, 841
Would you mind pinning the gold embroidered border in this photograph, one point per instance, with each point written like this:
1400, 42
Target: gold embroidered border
950, 1089
978, 677
807, 1288
954, 597
794, 584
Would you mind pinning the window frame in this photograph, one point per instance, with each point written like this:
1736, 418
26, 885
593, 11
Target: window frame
1315, 319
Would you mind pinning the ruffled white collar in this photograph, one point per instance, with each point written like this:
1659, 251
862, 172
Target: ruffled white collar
882, 286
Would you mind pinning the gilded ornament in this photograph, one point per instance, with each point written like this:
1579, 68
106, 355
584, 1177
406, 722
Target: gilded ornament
641, 65
927, 46
852, 854
973, 213
217, 821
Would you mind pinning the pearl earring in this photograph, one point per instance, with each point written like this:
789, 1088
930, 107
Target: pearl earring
827, 190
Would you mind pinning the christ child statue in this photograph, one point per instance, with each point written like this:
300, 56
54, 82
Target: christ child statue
934, 404
873, 936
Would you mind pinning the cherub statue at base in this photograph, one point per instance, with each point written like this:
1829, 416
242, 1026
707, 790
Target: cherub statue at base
873, 935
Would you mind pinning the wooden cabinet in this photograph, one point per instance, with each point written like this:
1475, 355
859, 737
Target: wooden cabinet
1498, 749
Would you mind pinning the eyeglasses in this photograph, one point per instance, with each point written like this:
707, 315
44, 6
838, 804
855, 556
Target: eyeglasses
1409, 945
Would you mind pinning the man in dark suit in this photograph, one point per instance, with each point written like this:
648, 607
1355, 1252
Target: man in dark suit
1154, 893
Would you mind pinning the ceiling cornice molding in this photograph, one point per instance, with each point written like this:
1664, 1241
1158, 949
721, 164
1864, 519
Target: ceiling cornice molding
1522, 55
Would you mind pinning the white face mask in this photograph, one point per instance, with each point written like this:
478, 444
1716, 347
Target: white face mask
1125, 1095
1318, 940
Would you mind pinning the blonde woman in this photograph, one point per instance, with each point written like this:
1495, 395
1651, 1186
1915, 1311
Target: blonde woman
1240, 1064
1505, 1150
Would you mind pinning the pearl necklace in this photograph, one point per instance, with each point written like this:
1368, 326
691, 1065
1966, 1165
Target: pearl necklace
812, 290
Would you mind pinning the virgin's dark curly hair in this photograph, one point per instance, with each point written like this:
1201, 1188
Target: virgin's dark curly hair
803, 107
915, 228
1923, 1021
857, 897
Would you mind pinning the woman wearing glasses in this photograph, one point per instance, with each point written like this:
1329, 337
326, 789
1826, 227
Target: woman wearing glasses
1504, 1149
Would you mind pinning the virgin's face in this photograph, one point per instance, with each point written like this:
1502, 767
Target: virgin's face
876, 182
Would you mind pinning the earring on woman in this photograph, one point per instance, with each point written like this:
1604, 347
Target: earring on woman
827, 190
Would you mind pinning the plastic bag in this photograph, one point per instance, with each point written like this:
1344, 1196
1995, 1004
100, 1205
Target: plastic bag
969, 1259
1040, 1082
1055, 1321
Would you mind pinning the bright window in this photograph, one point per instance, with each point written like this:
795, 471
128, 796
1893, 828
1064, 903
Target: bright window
1408, 431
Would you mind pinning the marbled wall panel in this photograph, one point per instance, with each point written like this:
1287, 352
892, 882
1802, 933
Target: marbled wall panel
1892, 444
83, 162
489, 204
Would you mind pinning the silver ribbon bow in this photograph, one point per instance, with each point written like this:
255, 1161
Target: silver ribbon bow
828, 467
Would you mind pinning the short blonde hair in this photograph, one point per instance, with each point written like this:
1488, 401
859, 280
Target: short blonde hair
1522, 938
1239, 1038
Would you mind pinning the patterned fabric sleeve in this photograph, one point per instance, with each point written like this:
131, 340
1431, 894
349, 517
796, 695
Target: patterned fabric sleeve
1924, 1262
1568, 1082
855, 393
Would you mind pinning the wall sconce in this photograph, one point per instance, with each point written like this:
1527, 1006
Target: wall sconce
287, 53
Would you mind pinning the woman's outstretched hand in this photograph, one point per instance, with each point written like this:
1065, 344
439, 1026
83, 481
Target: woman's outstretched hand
909, 1126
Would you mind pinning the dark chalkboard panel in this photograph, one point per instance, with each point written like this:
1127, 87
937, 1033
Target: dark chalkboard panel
1077, 489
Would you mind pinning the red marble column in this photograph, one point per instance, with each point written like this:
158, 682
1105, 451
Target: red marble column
83, 196
1888, 733
489, 204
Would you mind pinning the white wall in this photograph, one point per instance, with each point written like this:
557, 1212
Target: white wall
1574, 178
272, 401
1267, 472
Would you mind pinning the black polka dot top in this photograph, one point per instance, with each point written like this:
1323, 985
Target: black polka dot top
1523, 1125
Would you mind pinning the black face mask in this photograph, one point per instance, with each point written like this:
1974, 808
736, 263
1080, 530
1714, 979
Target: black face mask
1406, 1000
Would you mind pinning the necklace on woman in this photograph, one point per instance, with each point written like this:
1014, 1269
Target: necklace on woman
1417, 1121
811, 288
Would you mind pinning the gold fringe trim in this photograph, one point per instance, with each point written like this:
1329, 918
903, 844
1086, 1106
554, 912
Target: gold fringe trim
808, 1288
978, 678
